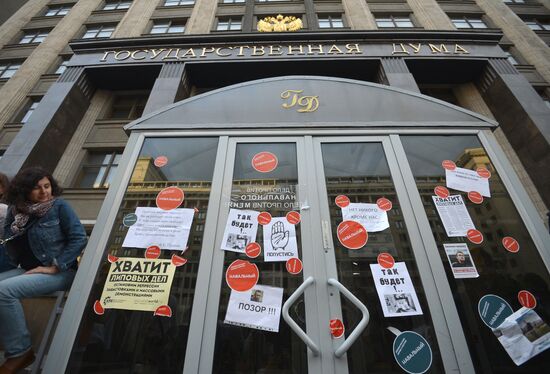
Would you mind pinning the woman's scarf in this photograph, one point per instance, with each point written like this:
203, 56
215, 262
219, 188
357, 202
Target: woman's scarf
23, 214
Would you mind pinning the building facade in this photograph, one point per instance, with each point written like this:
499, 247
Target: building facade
360, 98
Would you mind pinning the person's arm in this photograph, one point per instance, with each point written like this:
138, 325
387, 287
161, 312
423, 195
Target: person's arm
75, 237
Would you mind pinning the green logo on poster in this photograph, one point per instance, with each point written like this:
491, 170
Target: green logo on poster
129, 219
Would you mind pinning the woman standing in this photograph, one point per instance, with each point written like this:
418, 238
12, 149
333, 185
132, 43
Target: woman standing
44, 237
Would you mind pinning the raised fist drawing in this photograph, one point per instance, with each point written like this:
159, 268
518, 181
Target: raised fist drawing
279, 237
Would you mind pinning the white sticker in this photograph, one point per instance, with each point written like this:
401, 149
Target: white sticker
454, 215
240, 230
395, 290
467, 180
460, 260
167, 229
370, 216
258, 308
279, 240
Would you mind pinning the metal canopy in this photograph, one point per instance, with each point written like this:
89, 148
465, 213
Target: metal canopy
342, 103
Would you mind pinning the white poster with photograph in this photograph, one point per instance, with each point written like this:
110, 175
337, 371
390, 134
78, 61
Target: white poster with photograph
454, 215
523, 335
258, 308
370, 216
395, 290
241, 229
279, 240
460, 260
467, 180
168, 229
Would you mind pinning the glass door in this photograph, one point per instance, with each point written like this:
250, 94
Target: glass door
358, 181
262, 234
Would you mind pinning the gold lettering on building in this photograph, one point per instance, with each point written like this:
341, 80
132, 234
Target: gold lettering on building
415, 47
334, 50
171, 50
317, 49
441, 49
133, 56
353, 48
241, 49
307, 104
119, 53
189, 53
258, 51
221, 54
207, 50
157, 52
291, 49
273, 48
460, 50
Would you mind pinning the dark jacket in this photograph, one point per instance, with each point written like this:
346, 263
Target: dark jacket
57, 238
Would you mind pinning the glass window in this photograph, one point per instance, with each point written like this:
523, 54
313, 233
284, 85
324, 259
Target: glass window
538, 25
58, 10
229, 24
117, 5
500, 272
98, 31
330, 22
98, 169
137, 341
515, 1
8, 69
62, 66
178, 2
395, 22
35, 36
127, 106
168, 27
30, 110
469, 23
232, 1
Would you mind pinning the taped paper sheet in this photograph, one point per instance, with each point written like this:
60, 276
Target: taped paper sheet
395, 290
454, 215
279, 240
460, 260
240, 230
370, 216
467, 180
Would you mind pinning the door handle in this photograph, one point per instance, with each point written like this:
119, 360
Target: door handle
293, 325
362, 324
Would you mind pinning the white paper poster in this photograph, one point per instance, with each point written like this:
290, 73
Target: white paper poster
258, 308
460, 260
279, 240
523, 335
241, 229
467, 180
395, 290
168, 229
370, 216
454, 215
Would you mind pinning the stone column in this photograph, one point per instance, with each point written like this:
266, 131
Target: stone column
359, 15
18, 20
430, 15
394, 72
134, 23
44, 137
469, 97
15, 91
171, 85
532, 48
523, 117
202, 17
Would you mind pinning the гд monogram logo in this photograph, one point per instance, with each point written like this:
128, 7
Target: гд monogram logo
307, 104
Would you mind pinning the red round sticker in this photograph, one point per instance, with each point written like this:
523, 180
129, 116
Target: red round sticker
527, 299
352, 234
510, 244
293, 217
475, 197
160, 161
241, 275
178, 261
336, 328
483, 173
385, 260
112, 258
448, 164
474, 236
170, 198
342, 201
384, 204
264, 218
441, 191
152, 252
294, 265
163, 311
253, 250
264, 162
98, 308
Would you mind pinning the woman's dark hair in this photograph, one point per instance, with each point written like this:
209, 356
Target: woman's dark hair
4, 185
25, 181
